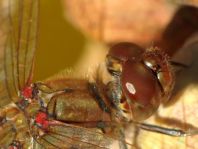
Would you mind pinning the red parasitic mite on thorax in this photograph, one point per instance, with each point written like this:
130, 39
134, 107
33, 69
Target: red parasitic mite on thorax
41, 120
27, 92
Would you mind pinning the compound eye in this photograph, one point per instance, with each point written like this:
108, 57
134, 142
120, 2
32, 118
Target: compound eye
120, 53
140, 89
125, 50
138, 82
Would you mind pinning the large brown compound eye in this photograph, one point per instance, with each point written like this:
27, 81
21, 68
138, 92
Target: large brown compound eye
140, 89
120, 53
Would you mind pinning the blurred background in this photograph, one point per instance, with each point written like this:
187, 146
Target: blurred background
71, 32
60, 44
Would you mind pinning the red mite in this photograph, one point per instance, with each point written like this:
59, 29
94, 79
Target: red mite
41, 120
27, 92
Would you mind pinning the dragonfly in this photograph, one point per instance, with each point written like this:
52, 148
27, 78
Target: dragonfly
65, 112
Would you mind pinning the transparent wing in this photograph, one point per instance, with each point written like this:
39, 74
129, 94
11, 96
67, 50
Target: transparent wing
21, 44
4, 100
62, 135
7, 134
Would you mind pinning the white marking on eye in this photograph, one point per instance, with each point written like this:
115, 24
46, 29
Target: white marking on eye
130, 88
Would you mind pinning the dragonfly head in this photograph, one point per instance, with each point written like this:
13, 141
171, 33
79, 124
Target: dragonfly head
145, 78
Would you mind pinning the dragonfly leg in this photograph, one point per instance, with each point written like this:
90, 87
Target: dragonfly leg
122, 143
135, 138
94, 89
167, 131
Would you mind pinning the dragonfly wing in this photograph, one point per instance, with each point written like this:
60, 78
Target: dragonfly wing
36, 145
7, 134
62, 135
21, 44
4, 100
